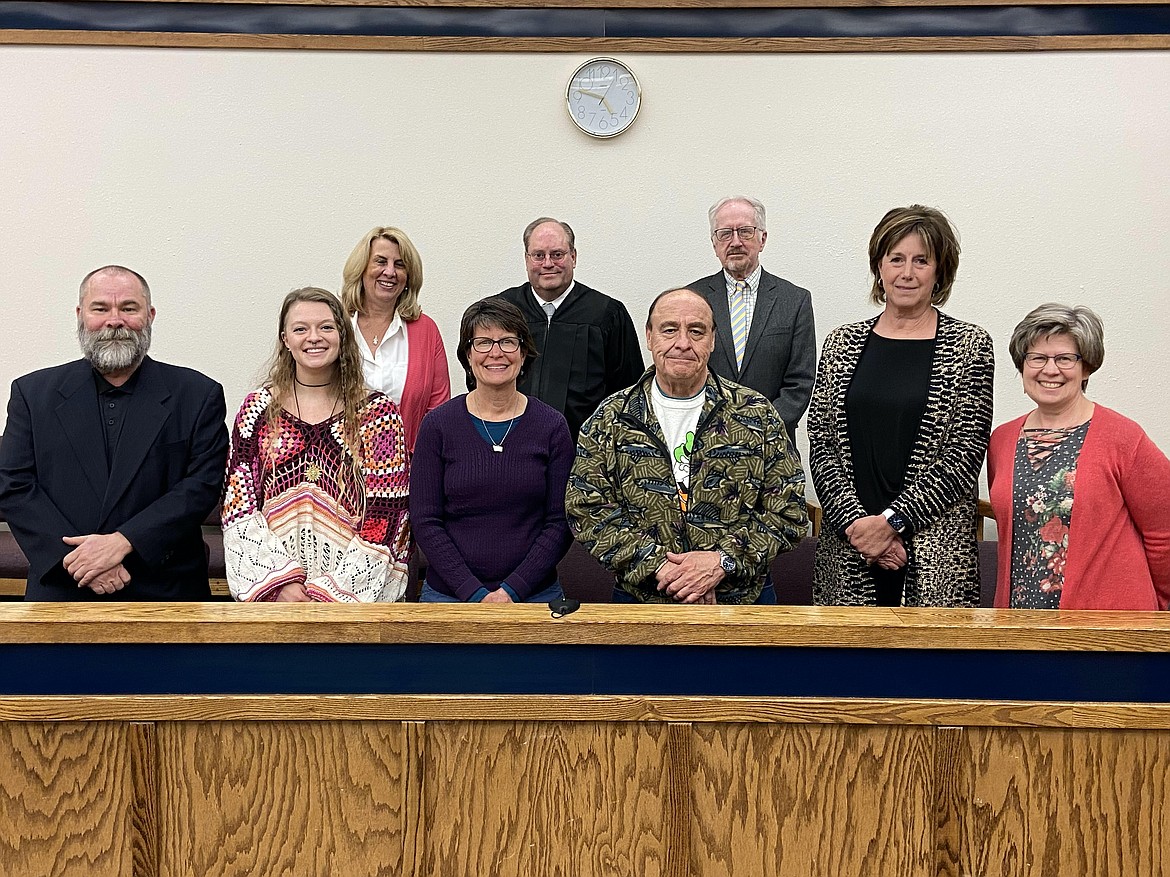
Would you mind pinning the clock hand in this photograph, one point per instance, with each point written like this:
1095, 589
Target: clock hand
600, 98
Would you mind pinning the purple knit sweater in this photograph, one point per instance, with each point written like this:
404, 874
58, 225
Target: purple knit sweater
483, 517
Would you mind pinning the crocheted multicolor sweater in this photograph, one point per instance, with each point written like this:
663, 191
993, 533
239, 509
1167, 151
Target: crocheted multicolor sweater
295, 511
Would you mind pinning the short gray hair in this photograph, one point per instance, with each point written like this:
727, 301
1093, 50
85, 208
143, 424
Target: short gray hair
1079, 323
113, 269
756, 206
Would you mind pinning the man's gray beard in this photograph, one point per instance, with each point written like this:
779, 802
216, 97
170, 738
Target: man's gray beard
114, 349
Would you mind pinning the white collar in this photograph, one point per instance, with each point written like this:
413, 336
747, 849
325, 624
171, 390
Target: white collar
556, 302
752, 280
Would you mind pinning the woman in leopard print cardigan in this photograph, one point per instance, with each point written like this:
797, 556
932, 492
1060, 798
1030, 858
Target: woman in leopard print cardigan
898, 429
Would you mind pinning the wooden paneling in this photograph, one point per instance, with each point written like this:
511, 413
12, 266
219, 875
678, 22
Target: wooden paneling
524, 798
588, 708
142, 745
703, 45
1052, 802
582, 708
813, 801
594, 624
66, 792
242, 799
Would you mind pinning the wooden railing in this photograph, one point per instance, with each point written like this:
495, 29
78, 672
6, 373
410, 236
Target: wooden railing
460, 740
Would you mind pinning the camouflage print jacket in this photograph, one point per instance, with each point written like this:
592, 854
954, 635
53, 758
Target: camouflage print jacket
746, 489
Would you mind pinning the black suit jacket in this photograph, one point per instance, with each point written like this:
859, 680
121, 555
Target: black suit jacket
165, 477
780, 358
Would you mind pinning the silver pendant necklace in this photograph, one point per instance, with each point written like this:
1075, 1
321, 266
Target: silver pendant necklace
498, 447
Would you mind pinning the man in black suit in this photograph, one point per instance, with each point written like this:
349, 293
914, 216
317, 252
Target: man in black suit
764, 333
109, 464
588, 345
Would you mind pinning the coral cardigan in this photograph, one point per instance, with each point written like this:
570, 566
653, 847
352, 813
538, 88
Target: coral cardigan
428, 382
1119, 535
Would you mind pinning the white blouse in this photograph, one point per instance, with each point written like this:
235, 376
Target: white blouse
385, 368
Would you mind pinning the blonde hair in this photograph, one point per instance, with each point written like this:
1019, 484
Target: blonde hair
353, 293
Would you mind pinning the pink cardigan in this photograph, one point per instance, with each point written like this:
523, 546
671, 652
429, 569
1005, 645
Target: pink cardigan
428, 383
1119, 536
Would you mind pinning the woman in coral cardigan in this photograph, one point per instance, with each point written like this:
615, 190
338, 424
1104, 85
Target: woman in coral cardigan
401, 348
1081, 494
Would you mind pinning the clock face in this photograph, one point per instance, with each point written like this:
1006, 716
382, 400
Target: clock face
603, 97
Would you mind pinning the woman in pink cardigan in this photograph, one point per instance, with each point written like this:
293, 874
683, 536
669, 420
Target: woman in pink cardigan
1081, 494
402, 350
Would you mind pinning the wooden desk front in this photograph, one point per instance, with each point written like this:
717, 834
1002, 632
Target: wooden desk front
220, 739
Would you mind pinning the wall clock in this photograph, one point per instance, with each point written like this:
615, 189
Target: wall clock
603, 97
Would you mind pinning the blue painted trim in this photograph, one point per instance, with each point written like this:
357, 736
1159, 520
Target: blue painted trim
964, 21
783, 672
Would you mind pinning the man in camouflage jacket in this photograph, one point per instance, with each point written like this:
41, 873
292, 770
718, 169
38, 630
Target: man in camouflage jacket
708, 541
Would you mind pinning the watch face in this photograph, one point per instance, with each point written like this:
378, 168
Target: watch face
603, 97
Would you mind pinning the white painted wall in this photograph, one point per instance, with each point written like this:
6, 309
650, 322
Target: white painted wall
230, 177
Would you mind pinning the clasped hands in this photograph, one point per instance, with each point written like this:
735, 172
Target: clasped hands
877, 542
96, 561
690, 577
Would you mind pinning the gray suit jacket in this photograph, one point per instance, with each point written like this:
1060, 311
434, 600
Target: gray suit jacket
780, 358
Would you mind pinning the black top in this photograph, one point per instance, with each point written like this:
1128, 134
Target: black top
113, 403
883, 408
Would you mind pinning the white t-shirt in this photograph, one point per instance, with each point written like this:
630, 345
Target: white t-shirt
678, 418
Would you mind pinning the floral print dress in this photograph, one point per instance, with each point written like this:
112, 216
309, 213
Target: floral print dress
1043, 480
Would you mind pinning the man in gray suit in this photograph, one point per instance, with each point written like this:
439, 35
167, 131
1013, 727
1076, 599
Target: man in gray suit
764, 333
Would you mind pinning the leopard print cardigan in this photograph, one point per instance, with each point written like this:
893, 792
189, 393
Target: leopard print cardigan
939, 498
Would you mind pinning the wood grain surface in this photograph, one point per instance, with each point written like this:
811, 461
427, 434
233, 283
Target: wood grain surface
66, 793
813, 800
1063, 802
592, 624
702, 45
583, 708
268, 798
575, 799
547, 799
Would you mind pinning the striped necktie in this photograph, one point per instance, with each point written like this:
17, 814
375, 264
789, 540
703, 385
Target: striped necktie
739, 320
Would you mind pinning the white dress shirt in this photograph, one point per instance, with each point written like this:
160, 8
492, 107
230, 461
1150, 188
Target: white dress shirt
385, 368
556, 302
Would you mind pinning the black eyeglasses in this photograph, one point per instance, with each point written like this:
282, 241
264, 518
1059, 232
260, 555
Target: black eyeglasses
1064, 361
745, 232
510, 344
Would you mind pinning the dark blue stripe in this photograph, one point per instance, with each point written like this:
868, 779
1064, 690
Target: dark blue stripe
74, 669
967, 21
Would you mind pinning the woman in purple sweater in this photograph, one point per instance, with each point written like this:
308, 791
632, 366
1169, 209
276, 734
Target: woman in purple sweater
487, 481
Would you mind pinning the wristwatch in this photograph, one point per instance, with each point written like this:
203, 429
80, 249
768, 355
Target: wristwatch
895, 520
726, 561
